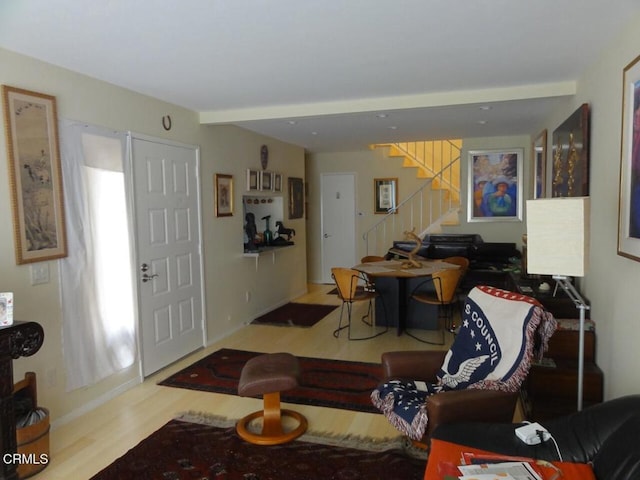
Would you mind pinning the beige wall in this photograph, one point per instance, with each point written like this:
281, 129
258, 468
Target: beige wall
228, 275
612, 282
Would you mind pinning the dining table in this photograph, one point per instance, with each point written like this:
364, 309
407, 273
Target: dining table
402, 272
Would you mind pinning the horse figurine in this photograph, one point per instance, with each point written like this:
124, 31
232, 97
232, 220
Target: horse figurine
282, 230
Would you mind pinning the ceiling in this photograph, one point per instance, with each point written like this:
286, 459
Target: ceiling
331, 75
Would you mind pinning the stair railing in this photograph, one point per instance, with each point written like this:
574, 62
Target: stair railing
421, 210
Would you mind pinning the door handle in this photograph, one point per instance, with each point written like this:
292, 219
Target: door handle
326, 235
144, 267
146, 277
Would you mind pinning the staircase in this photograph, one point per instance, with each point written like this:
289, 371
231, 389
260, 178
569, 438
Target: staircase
435, 203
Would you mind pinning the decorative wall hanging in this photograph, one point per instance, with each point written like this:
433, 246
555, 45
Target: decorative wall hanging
224, 195
253, 180
266, 183
539, 156
385, 195
495, 185
570, 173
35, 177
629, 207
277, 182
296, 198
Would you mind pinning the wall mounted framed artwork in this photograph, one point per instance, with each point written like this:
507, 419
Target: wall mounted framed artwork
495, 185
296, 198
629, 206
35, 175
570, 156
277, 182
253, 180
539, 157
385, 195
224, 195
266, 184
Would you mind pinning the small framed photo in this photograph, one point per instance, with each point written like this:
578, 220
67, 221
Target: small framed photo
495, 185
224, 195
6, 309
385, 195
266, 185
253, 180
277, 182
296, 198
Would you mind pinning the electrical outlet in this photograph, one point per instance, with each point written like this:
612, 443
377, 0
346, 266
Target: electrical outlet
40, 273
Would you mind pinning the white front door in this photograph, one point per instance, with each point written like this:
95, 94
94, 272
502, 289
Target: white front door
338, 222
167, 213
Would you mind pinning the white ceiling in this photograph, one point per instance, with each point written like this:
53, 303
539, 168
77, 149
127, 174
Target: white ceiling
317, 73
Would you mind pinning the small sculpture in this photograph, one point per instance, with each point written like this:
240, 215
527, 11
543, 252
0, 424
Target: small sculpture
411, 262
282, 230
251, 230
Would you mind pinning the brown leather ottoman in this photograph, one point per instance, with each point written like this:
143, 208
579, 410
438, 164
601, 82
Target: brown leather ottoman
268, 375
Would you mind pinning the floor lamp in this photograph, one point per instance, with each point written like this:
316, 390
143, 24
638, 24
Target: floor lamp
558, 245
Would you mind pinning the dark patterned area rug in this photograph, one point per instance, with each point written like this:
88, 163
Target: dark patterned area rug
295, 315
323, 383
183, 450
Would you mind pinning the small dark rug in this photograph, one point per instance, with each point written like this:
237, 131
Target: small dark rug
183, 450
323, 383
295, 315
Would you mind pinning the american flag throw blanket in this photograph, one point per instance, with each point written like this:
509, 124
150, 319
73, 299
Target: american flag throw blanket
492, 351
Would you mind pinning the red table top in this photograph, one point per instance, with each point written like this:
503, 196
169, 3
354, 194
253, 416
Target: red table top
443, 456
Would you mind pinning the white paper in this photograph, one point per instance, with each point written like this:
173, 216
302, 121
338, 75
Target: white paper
516, 470
6, 309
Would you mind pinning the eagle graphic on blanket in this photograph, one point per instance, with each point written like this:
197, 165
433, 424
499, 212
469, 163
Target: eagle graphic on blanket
493, 351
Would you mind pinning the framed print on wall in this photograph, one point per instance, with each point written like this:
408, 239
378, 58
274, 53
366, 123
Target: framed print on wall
495, 185
253, 180
35, 175
277, 182
539, 156
224, 195
265, 181
570, 165
385, 195
296, 198
629, 206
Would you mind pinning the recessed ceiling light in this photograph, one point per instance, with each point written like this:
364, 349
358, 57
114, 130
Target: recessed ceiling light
292, 122
393, 127
481, 122
486, 107
382, 115
314, 133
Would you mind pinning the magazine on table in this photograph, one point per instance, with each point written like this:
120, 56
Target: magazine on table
503, 470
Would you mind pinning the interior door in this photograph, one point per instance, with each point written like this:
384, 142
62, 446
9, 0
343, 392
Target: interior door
167, 212
338, 222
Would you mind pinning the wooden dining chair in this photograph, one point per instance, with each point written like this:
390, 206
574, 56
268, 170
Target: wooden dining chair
463, 263
347, 281
441, 294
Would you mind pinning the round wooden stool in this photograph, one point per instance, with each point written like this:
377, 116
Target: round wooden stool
268, 375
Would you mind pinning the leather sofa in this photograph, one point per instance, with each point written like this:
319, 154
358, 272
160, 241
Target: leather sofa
606, 436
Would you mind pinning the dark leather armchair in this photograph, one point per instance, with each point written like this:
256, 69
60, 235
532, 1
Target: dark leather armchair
451, 406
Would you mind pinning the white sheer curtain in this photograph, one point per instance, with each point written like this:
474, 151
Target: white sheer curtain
98, 324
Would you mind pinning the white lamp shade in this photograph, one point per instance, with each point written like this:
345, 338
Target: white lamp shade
558, 236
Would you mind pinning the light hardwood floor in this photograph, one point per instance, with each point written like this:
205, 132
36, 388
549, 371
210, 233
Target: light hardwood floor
84, 446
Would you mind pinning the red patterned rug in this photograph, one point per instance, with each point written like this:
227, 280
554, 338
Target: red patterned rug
324, 383
187, 451
295, 315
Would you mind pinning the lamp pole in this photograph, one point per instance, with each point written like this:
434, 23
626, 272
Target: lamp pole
581, 305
